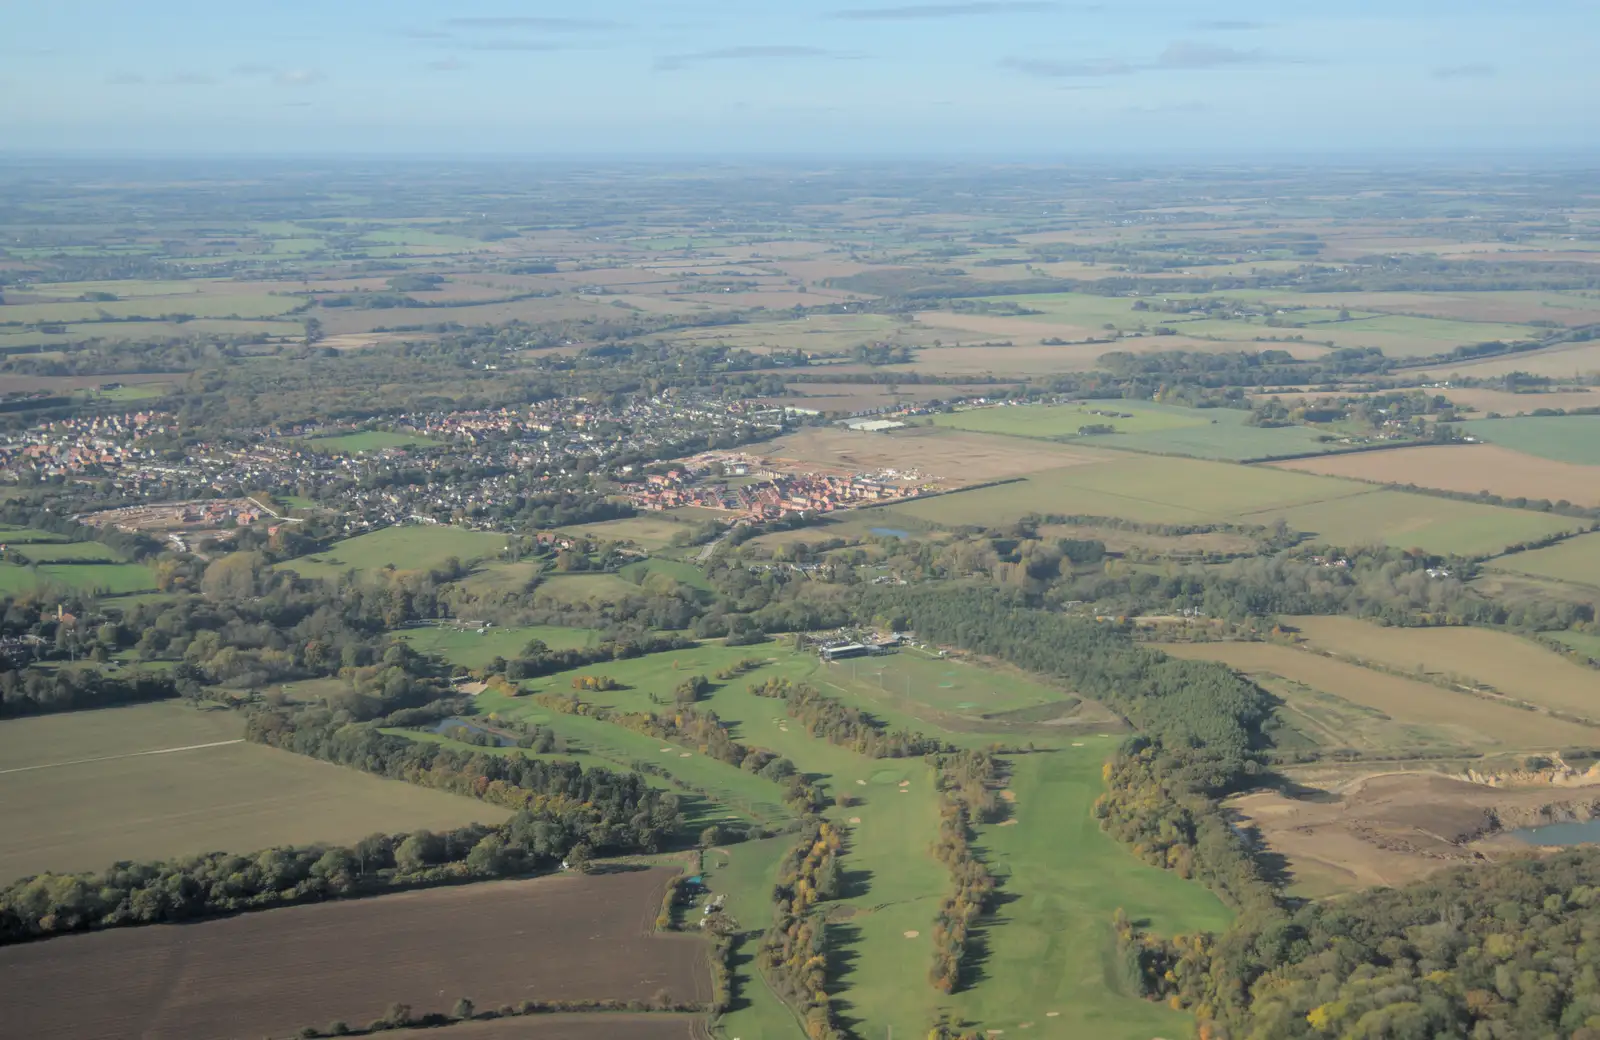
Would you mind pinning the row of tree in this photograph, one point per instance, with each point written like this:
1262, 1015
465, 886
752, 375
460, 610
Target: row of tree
966, 795
793, 954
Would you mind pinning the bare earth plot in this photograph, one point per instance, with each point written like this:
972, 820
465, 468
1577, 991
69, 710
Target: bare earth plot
270, 973
80, 791
1460, 717
1468, 468
1500, 660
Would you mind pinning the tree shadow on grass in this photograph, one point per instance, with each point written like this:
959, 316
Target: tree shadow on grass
843, 940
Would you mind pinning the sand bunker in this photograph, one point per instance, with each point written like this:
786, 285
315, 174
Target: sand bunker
912, 935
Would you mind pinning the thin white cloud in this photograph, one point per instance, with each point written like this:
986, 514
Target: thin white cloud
298, 77
530, 22
1187, 54
916, 12
1471, 70
674, 62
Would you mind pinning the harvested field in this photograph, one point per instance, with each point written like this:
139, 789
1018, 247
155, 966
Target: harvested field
1387, 829
1406, 520
1480, 400
1459, 718
1500, 661
578, 1027
1574, 560
270, 973
1468, 468
956, 458
82, 790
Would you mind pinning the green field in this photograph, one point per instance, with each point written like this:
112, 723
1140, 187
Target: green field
913, 678
79, 791
1185, 491
1438, 525
597, 587
50, 552
471, 650
1565, 438
1054, 421
682, 573
371, 440
1586, 643
408, 547
108, 578
1575, 560
650, 531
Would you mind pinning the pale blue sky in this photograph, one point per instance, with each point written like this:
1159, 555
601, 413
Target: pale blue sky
871, 77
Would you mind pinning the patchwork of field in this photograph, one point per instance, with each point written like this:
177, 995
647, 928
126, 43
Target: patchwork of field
1468, 468
1479, 657
411, 547
272, 973
1566, 438
1451, 718
945, 455
79, 791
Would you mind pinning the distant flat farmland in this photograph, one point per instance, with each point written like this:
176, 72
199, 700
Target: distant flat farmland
1575, 560
1564, 438
406, 547
274, 972
82, 790
1468, 468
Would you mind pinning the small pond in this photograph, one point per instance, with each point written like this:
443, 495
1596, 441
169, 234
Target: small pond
1570, 833
891, 532
447, 725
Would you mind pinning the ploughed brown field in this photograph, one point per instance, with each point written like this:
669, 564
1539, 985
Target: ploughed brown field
1468, 468
272, 973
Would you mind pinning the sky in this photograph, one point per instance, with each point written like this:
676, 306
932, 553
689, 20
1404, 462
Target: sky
870, 78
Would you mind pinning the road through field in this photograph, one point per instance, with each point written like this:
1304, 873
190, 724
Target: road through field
113, 758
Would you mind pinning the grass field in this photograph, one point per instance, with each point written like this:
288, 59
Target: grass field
586, 588
913, 678
650, 531
371, 440
1050, 946
51, 552
1211, 433
108, 578
1398, 518
466, 647
1575, 560
682, 573
1586, 643
1506, 663
1467, 468
1449, 717
408, 547
269, 974
81, 790
1565, 438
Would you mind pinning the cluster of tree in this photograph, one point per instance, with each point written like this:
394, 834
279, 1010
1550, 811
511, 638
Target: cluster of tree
599, 683
838, 723
223, 883
793, 954
1495, 951
965, 796
690, 690
569, 805
36, 691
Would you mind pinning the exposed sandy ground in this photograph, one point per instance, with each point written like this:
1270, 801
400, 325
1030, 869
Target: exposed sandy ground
1389, 829
1468, 468
953, 457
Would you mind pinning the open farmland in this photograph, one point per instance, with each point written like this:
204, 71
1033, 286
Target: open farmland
79, 791
1467, 468
954, 457
1408, 521
1564, 438
1054, 421
586, 1026
650, 531
1451, 717
556, 938
1566, 361
1499, 661
409, 547
1574, 560
1143, 488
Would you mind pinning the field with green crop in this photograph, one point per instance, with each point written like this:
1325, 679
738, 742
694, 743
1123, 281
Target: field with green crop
106, 578
1186, 491
673, 570
408, 547
52, 552
81, 790
469, 648
1064, 420
1565, 438
1575, 560
371, 440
